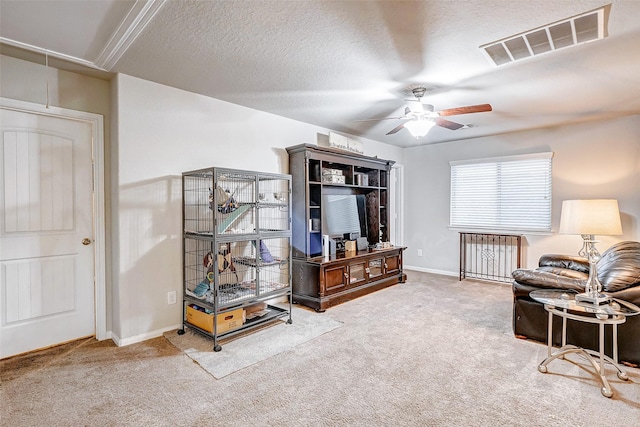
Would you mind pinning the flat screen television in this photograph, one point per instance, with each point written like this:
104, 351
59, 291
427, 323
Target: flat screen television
344, 213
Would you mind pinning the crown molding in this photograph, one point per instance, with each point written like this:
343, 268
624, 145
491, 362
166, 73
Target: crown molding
129, 29
122, 38
50, 53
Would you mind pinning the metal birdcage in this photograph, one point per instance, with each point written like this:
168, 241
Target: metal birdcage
237, 243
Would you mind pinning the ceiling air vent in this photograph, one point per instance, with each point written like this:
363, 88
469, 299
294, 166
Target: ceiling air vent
573, 31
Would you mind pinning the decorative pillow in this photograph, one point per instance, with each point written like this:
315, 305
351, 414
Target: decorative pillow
619, 267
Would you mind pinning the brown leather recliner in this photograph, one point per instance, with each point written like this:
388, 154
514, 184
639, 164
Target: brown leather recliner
618, 271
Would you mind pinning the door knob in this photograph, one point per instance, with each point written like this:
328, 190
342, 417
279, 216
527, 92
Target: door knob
86, 241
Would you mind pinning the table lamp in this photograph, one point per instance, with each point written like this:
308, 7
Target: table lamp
588, 218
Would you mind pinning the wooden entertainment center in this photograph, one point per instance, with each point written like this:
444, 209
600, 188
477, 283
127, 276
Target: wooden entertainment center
323, 281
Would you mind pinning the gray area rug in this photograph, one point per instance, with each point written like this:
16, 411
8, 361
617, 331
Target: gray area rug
251, 348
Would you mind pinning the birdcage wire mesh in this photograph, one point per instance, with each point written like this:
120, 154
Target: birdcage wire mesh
236, 271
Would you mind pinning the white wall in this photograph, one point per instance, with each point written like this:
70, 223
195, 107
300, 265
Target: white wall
591, 160
27, 81
160, 132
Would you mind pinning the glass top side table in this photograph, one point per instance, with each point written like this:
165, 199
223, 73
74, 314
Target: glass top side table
562, 303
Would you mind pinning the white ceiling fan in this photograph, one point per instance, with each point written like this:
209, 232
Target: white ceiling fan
419, 118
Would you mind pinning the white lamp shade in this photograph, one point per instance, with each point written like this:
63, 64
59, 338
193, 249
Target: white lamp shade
597, 216
419, 127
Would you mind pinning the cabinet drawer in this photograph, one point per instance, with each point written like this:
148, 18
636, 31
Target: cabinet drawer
357, 273
392, 264
375, 268
334, 279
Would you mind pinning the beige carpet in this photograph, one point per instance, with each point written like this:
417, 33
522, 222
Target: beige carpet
245, 350
430, 352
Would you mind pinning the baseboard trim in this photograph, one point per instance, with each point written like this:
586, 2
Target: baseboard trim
453, 274
122, 342
432, 271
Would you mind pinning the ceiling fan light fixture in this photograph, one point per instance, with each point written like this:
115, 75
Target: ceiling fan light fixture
419, 127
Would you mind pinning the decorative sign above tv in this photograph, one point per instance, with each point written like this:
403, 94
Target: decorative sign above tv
343, 143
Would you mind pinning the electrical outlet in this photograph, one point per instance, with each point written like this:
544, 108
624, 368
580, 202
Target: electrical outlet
171, 297
419, 252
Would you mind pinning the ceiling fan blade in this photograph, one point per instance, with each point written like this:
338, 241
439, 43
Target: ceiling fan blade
448, 124
465, 110
396, 129
415, 106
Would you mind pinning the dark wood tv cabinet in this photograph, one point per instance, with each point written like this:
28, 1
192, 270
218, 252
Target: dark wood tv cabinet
322, 282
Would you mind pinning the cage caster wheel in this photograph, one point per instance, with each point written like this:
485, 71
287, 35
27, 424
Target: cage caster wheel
289, 322
217, 348
180, 331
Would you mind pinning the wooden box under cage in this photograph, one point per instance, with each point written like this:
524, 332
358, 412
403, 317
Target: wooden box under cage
237, 241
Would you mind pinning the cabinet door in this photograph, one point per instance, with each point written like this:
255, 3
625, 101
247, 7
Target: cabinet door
392, 264
335, 278
357, 273
375, 267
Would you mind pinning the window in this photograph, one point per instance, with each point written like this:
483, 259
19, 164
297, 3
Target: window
504, 193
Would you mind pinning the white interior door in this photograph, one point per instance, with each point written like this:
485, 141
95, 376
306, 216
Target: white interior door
46, 200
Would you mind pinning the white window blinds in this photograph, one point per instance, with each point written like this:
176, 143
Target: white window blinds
505, 193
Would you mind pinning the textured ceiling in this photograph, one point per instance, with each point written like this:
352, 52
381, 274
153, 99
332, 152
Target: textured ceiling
333, 63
